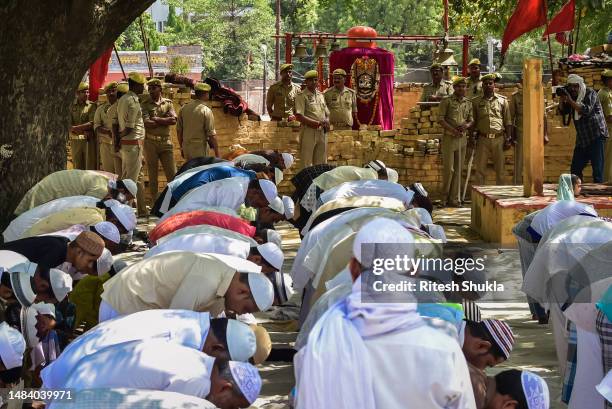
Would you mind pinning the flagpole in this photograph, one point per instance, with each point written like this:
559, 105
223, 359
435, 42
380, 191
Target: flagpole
549, 46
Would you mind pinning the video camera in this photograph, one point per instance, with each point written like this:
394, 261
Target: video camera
562, 91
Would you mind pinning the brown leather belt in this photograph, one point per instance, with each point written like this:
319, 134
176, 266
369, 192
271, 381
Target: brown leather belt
157, 138
489, 135
131, 142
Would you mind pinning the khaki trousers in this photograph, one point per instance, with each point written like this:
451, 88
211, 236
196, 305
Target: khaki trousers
453, 157
92, 154
195, 149
107, 158
518, 158
78, 150
485, 148
313, 146
131, 168
607, 170
154, 151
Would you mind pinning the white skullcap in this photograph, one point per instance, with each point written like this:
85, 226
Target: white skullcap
9, 259
420, 189
436, 231
61, 283
377, 165
20, 275
131, 186
378, 231
12, 346
277, 205
424, 216
605, 387
289, 207
109, 231
272, 236
278, 176
247, 378
269, 189
262, 290
392, 175
535, 390
283, 286
575, 79
126, 216
241, 341
45, 308
272, 254
104, 262
288, 159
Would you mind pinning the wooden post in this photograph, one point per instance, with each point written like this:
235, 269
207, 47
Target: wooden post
533, 128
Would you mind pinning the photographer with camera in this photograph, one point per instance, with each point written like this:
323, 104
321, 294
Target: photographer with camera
582, 104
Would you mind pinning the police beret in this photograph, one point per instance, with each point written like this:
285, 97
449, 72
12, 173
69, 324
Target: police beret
284, 67
339, 71
492, 76
458, 80
137, 77
607, 73
474, 61
202, 86
83, 86
123, 87
112, 84
311, 74
155, 81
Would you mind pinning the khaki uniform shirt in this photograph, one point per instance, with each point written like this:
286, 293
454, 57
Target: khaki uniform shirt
82, 113
474, 88
311, 105
103, 118
491, 114
341, 105
282, 99
196, 121
455, 111
162, 109
605, 98
516, 109
176, 280
129, 114
445, 88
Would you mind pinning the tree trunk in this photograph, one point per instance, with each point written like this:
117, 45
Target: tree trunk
46, 49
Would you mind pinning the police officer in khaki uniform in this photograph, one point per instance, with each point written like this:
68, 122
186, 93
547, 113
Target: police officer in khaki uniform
82, 141
474, 81
605, 98
312, 112
438, 88
122, 89
103, 128
131, 135
492, 119
280, 99
341, 102
195, 126
456, 117
158, 115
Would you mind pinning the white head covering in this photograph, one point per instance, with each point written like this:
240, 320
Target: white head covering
392, 175
125, 214
108, 231
289, 207
241, 341
269, 189
45, 308
131, 186
424, 216
104, 262
379, 231
61, 283
283, 286
262, 290
247, 378
272, 254
12, 346
552, 214
605, 387
535, 390
20, 275
437, 232
277, 205
577, 79
272, 236
278, 176
288, 159
376, 164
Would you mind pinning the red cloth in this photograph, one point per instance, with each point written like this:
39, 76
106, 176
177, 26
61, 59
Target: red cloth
383, 115
563, 20
198, 217
97, 73
528, 15
562, 38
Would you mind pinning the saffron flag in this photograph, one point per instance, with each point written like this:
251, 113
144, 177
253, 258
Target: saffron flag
97, 74
564, 20
528, 15
562, 38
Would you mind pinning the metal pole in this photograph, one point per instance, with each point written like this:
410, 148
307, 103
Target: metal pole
466, 50
265, 75
445, 18
577, 32
119, 60
277, 43
550, 56
288, 39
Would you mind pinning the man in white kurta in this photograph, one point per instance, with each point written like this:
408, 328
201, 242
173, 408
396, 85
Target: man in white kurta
368, 187
202, 243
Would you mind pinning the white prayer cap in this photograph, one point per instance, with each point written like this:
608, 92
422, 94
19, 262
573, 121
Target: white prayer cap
247, 378
9, 259
283, 286
424, 216
392, 175
535, 390
378, 231
272, 236
241, 341
289, 207
61, 283
575, 79
288, 159
269, 189
12, 346
45, 308
436, 231
278, 176
377, 165
126, 216
418, 187
605, 387
131, 186
20, 276
272, 254
262, 290
104, 262
277, 205
109, 231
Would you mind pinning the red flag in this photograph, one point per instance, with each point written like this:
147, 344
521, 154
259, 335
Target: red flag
564, 20
528, 15
97, 73
562, 38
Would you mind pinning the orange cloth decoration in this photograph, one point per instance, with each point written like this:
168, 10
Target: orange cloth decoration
362, 31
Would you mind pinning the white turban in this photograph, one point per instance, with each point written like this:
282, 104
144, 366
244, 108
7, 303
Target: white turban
577, 79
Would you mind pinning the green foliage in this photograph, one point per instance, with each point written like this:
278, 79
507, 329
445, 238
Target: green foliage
179, 65
131, 38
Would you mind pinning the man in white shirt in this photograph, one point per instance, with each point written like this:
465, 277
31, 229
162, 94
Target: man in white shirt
202, 243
